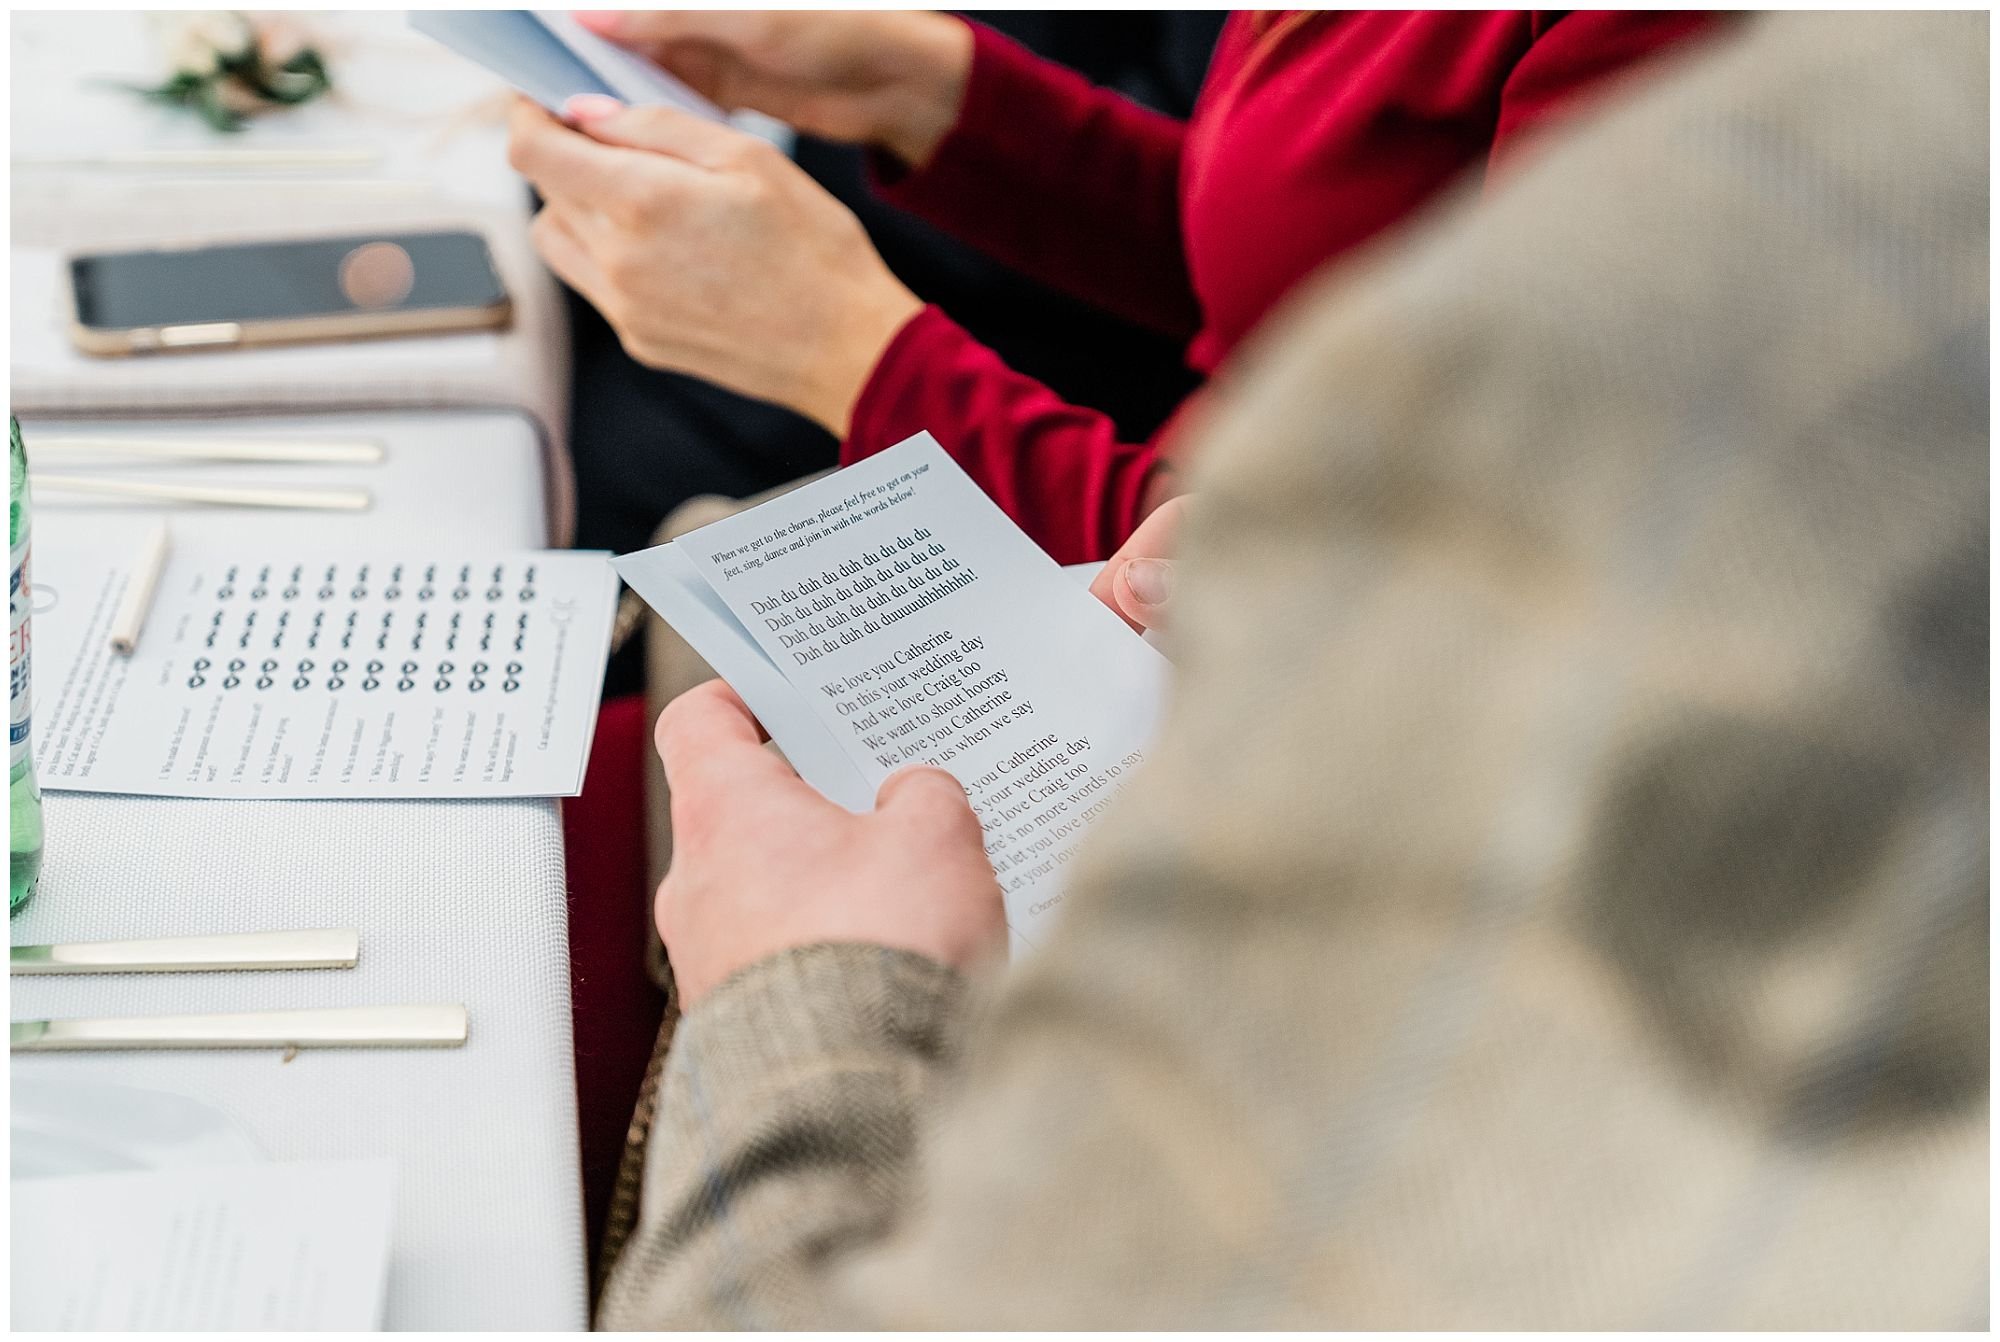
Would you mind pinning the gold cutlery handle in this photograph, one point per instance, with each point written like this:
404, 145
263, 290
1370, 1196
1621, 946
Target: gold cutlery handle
438, 1026
316, 948
238, 496
347, 451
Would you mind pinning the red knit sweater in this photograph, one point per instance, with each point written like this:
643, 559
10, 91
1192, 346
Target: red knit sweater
1313, 132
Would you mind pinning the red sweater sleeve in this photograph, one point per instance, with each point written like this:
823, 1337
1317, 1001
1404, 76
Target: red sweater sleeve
1068, 182
1575, 51
1057, 469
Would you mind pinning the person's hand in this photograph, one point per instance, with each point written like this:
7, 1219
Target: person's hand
710, 253
872, 77
1138, 581
763, 863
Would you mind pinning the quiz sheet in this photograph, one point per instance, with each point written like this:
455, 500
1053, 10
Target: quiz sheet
294, 676
890, 614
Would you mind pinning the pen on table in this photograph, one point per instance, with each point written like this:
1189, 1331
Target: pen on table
138, 599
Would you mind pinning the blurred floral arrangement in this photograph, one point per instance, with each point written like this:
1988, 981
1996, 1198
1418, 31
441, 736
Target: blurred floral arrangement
228, 66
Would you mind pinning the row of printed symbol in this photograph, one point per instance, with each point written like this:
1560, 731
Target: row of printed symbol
373, 675
349, 630
294, 586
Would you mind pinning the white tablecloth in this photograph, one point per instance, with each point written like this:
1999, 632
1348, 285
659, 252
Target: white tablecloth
427, 116
455, 902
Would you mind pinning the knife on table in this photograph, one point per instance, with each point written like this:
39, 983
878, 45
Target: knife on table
428, 1026
316, 948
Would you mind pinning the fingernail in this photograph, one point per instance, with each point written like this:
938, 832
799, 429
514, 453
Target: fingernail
1151, 581
591, 107
603, 22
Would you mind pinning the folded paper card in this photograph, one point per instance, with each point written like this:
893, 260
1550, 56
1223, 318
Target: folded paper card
551, 57
889, 614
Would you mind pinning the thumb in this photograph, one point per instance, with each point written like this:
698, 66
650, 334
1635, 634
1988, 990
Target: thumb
662, 130
617, 24
700, 48
1144, 588
924, 790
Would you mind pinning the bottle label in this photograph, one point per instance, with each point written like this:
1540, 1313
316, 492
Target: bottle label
20, 702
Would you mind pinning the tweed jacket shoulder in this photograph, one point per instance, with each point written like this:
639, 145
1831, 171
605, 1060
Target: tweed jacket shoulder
1559, 896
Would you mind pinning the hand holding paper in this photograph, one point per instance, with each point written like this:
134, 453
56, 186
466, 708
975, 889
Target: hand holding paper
1138, 581
890, 78
551, 58
890, 614
910, 874
711, 253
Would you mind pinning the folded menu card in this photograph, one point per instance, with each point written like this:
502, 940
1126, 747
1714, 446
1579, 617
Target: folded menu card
218, 1247
889, 614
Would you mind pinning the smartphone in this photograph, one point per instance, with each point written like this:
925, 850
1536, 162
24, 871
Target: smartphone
267, 293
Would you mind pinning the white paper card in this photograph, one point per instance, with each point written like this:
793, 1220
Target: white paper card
891, 614
310, 676
631, 76
551, 57
225, 1247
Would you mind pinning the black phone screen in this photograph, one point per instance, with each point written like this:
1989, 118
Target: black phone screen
242, 282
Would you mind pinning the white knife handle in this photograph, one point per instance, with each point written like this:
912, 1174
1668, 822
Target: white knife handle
315, 948
326, 1027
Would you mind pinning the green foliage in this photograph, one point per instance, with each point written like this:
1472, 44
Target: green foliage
255, 83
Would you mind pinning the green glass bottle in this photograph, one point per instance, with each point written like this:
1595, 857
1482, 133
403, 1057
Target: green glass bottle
24, 798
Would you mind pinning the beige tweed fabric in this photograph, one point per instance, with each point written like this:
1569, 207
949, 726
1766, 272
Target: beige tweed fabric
1559, 898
